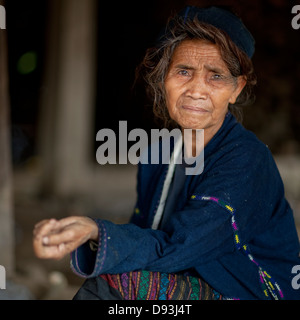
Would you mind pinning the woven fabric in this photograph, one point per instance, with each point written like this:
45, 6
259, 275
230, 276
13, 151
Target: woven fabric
146, 285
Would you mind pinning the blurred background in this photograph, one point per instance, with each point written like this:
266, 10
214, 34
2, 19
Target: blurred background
67, 70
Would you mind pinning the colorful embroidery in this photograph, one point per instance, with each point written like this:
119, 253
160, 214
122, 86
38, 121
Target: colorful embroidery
268, 284
146, 285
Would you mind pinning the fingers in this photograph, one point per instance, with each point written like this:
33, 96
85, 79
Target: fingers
67, 221
61, 235
44, 227
41, 231
49, 252
53, 239
69, 229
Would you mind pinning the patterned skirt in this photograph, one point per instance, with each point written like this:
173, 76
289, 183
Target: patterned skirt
146, 285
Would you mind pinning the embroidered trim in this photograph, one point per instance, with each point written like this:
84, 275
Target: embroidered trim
101, 254
102, 247
269, 285
76, 268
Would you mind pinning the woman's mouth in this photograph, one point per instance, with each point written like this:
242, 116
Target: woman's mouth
195, 109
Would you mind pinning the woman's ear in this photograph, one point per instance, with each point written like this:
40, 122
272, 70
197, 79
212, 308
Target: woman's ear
240, 84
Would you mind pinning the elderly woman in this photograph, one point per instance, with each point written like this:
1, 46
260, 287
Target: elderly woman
227, 233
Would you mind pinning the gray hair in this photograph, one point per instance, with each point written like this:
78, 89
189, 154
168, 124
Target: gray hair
155, 65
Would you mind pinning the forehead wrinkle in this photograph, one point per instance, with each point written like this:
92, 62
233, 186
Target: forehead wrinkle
201, 54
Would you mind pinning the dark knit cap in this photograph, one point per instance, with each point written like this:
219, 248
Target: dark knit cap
225, 21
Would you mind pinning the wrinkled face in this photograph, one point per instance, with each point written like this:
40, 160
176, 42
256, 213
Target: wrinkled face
199, 87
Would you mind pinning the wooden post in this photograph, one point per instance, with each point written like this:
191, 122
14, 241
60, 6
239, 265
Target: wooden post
68, 100
7, 256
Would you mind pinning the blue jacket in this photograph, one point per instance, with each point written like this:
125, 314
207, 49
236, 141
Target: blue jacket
232, 224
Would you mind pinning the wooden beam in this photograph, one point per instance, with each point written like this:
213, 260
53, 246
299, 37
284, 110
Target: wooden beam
68, 102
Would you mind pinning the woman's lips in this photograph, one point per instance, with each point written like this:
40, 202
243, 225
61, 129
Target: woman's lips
195, 109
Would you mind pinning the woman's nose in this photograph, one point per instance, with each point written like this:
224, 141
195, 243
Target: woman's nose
196, 88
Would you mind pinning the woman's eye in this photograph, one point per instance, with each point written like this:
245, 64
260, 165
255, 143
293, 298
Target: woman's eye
183, 72
217, 76
219, 80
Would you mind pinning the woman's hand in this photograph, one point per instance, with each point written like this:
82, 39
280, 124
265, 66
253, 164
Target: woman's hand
53, 239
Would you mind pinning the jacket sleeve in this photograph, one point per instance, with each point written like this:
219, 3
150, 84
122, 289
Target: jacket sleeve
202, 230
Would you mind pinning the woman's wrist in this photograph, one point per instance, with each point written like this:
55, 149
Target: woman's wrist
94, 234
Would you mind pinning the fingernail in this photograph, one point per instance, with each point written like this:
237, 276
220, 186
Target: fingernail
45, 240
61, 247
